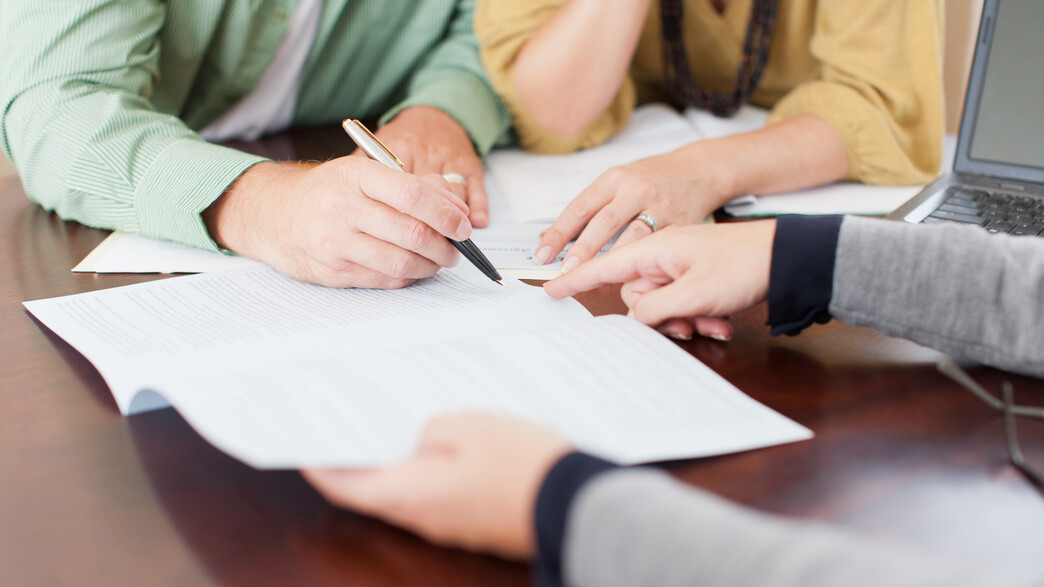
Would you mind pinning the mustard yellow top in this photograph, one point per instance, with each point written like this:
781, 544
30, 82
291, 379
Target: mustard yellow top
871, 69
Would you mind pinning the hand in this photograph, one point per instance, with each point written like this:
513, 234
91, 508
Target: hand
349, 222
674, 188
684, 280
427, 140
472, 483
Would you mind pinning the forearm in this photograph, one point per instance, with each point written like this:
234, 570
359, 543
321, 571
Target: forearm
86, 139
794, 154
640, 527
958, 289
556, 81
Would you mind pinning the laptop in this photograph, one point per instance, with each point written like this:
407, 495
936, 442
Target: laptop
997, 180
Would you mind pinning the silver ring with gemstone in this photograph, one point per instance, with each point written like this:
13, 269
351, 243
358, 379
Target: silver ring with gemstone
649, 221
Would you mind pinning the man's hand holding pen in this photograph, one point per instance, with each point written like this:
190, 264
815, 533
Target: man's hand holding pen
349, 222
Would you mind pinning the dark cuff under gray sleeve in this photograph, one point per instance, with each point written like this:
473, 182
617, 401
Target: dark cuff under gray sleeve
802, 275
556, 495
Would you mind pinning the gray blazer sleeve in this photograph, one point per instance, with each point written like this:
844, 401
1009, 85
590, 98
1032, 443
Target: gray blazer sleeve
641, 527
958, 289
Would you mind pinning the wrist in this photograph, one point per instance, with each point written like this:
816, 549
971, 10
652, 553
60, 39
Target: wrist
561, 484
231, 219
719, 175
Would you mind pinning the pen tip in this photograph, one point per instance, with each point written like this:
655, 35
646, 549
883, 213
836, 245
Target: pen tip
501, 282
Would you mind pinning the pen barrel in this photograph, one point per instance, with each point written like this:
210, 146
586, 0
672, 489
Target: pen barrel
475, 256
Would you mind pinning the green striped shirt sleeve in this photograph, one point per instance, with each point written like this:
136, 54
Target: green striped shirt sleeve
453, 80
78, 123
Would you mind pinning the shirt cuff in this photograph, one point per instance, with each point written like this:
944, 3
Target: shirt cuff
182, 182
560, 486
469, 101
801, 280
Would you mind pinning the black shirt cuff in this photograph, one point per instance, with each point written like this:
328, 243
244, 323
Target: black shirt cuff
560, 486
801, 281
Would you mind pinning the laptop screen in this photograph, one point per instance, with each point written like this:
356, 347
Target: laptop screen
1009, 124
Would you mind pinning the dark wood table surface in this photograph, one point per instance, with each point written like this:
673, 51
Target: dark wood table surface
89, 497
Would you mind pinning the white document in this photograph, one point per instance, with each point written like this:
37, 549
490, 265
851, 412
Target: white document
538, 186
133, 253
282, 374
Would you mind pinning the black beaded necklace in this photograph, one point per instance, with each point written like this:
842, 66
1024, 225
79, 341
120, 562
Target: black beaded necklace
755, 53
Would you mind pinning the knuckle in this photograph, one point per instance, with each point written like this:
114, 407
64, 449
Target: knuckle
449, 217
577, 209
616, 174
416, 236
608, 218
555, 235
644, 188
411, 192
583, 250
638, 229
403, 266
394, 283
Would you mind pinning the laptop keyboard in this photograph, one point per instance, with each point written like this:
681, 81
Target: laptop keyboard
996, 212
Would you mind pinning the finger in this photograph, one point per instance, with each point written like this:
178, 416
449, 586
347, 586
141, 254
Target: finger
634, 231
571, 221
632, 290
396, 261
405, 233
452, 192
342, 274
461, 191
607, 222
617, 266
674, 300
713, 327
677, 328
383, 493
478, 200
356, 490
412, 195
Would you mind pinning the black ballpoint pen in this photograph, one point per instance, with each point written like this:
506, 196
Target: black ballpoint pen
376, 150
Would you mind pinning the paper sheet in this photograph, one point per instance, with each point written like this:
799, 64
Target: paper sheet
538, 186
132, 253
282, 374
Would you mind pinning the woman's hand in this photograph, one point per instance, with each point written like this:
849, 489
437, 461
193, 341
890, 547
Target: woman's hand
674, 188
682, 187
472, 483
684, 280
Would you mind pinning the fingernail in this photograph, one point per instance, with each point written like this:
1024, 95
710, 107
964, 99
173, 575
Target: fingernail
721, 337
679, 336
543, 255
569, 264
463, 230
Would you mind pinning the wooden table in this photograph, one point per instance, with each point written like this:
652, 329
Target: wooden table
88, 497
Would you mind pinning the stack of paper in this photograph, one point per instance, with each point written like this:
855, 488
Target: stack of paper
283, 374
